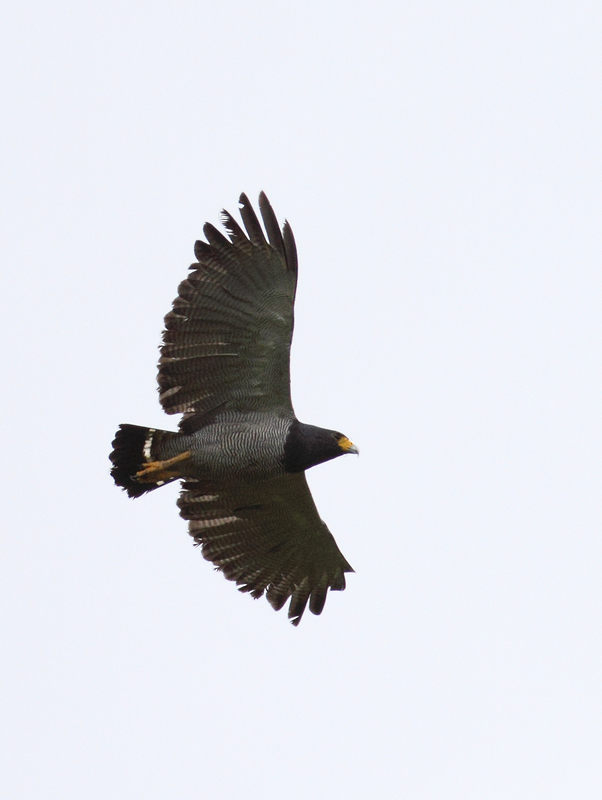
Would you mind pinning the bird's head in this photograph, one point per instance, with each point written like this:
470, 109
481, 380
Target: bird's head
307, 445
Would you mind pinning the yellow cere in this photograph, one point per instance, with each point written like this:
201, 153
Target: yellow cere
345, 443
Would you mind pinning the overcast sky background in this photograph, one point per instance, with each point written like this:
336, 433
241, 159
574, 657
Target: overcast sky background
440, 165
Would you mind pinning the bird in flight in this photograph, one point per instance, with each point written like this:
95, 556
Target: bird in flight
240, 450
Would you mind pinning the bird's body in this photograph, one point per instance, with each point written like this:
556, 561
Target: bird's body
240, 450
235, 446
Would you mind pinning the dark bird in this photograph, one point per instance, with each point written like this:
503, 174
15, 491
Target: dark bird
240, 450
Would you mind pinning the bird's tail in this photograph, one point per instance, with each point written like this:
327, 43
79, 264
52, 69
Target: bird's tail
134, 448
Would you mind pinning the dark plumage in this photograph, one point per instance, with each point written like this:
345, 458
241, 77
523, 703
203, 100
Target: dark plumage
240, 451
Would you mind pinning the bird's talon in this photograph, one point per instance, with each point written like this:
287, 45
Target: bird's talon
153, 467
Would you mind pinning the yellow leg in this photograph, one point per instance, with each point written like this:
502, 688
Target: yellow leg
156, 471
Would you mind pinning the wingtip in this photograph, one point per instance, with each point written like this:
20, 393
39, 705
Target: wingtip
290, 247
264, 201
250, 221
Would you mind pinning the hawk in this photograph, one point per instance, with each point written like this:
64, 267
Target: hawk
240, 450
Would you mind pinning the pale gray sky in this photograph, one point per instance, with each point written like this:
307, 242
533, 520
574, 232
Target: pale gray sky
440, 165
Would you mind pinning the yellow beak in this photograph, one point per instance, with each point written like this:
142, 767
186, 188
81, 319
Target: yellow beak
347, 446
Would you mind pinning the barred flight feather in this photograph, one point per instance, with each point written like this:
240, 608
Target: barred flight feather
275, 543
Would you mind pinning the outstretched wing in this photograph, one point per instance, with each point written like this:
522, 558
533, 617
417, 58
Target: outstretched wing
227, 339
268, 537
